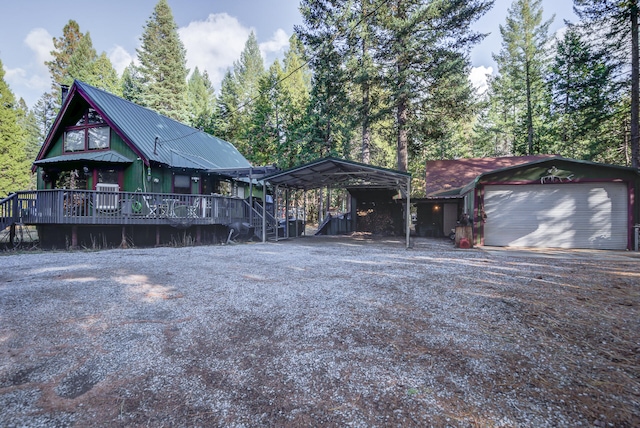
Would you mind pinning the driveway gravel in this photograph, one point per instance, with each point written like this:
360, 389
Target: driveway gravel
320, 331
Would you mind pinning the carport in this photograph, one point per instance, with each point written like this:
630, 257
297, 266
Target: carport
339, 173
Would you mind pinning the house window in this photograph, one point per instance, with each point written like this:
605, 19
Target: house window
90, 132
182, 184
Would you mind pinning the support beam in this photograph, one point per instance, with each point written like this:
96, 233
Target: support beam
264, 212
275, 212
408, 212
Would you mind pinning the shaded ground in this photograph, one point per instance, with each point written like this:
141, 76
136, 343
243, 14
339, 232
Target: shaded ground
320, 331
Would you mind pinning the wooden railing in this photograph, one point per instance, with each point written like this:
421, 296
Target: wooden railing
9, 212
61, 206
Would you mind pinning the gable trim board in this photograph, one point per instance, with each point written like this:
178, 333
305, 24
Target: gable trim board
593, 215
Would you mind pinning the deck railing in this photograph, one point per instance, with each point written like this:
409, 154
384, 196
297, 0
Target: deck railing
61, 206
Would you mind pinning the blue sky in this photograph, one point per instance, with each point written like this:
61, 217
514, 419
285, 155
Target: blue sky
213, 32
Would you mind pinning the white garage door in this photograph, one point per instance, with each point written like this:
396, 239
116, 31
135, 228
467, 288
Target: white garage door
571, 215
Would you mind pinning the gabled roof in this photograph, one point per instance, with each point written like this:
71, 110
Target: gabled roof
338, 173
154, 137
447, 177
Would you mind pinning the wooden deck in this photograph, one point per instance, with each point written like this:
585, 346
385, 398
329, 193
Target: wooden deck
84, 207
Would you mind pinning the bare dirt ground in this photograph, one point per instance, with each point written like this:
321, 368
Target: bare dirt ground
320, 332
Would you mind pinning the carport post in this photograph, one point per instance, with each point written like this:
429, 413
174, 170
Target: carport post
408, 211
264, 211
304, 212
275, 212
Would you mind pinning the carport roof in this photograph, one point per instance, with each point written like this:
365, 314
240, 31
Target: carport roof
333, 172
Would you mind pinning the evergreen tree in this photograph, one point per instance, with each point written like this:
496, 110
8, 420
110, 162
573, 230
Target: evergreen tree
522, 61
104, 76
323, 35
64, 47
132, 84
201, 101
28, 122
227, 112
14, 164
266, 128
239, 90
45, 112
424, 43
80, 62
615, 23
581, 85
162, 59
296, 87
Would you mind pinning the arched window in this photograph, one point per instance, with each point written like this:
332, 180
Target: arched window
89, 133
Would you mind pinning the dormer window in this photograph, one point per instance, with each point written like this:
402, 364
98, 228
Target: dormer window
89, 133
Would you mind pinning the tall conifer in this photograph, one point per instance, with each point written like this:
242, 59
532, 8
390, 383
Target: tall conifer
163, 65
14, 164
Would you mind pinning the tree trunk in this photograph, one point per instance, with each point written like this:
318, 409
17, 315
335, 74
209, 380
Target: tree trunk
366, 131
529, 112
635, 142
403, 110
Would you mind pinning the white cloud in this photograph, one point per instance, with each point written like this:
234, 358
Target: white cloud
120, 58
478, 78
278, 43
31, 80
214, 44
217, 42
41, 43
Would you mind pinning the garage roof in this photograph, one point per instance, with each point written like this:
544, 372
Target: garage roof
333, 172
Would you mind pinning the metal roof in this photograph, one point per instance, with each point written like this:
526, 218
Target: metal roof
333, 172
108, 156
158, 138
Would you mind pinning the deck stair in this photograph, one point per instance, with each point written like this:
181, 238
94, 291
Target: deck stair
257, 222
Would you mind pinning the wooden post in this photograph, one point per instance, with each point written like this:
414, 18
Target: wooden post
157, 236
264, 211
198, 234
408, 213
74, 237
275, 212
123, 243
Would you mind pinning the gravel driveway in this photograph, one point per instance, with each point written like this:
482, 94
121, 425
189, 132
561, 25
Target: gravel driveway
320, 332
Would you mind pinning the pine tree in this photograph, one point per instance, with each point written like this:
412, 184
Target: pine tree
201, 101
616, 25
80, 62
323, 36
522, 61
104, 76
76, 58
45, 112
296, 86
227, 111
14, 164
583, 97
64, 47
423, 43
162, 59
132, 84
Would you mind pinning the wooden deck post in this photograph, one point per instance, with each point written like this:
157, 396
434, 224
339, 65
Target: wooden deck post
123, 243
74, 237
157, 236
198, 234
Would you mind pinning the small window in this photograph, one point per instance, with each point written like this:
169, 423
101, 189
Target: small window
99, 138
74, 141
109, 176
181, 184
